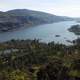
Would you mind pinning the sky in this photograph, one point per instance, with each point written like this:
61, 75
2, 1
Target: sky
69, 8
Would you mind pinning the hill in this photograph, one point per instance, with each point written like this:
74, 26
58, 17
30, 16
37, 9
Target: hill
13, 19
75, 29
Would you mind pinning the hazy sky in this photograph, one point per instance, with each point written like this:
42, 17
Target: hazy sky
58, 7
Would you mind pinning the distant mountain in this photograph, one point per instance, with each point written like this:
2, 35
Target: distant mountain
13, 19
77, 20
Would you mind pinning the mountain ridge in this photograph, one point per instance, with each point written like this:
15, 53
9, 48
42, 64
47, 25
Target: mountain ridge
16, 18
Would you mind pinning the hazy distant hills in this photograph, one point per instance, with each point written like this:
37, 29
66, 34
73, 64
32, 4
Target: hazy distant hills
13, 19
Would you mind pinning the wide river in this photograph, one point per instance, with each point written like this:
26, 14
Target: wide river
46, 33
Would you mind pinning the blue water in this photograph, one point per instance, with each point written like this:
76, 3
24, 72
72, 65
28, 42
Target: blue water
46, 33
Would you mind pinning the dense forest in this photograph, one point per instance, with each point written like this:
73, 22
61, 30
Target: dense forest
35, 60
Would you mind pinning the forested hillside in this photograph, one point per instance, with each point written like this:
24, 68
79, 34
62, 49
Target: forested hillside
33, 60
